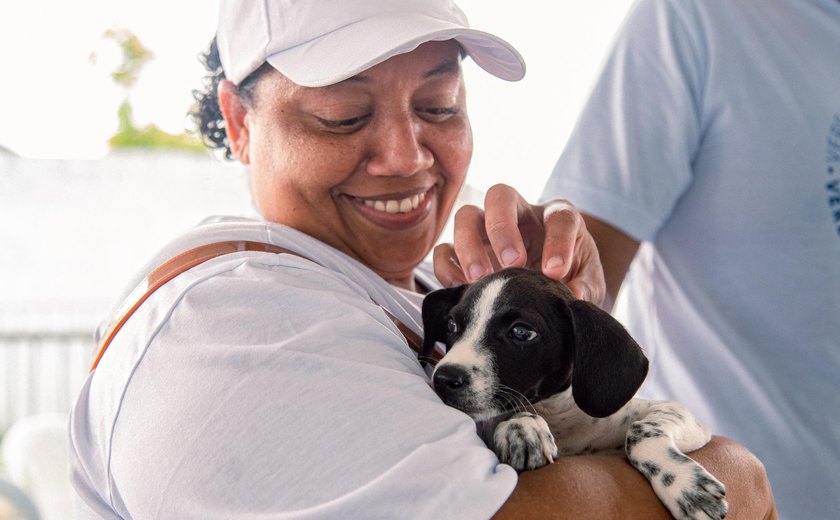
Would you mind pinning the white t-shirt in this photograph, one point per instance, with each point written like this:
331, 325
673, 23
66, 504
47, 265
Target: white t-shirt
714, 135
259, 385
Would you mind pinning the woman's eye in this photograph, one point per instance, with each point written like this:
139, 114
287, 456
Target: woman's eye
438, 114
343, 125
522, 333
451, 326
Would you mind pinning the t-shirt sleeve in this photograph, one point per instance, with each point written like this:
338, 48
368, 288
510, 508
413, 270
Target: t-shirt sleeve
281, 389
628, 159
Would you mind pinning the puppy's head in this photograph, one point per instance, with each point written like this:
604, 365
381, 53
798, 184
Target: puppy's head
517, 334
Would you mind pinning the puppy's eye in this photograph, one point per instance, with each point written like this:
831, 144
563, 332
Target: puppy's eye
451, 326
522, 333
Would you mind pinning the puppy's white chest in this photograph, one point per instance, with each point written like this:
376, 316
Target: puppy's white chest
576, 433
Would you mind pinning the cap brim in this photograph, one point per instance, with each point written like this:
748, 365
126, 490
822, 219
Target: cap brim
329, 59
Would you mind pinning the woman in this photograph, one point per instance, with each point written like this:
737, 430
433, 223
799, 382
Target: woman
275, 385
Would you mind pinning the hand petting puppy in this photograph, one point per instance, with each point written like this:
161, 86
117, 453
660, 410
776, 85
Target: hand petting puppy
509, 232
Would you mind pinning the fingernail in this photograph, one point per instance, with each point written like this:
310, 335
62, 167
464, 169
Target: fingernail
509, 256
476, 271
554, 262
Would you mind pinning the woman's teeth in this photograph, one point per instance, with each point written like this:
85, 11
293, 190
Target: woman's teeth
396, 206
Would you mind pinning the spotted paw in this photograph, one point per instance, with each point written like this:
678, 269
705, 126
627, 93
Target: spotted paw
524, 442
691, 493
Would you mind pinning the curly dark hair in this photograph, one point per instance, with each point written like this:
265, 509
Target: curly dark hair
205, 113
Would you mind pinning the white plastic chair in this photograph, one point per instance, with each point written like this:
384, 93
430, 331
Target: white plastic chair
35, 456
24, 508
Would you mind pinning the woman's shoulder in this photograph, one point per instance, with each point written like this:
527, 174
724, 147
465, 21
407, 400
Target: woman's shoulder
218, 244
283, 289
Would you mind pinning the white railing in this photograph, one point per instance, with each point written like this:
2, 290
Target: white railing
41, 372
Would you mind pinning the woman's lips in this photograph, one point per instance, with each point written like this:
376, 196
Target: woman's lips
396, 206
397, 212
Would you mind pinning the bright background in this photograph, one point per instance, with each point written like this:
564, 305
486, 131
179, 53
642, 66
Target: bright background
57, 99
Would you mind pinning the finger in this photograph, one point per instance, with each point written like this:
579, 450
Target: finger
447, 269
470, 243
503, 207
580, 289
562, 232
586, 280
589, 290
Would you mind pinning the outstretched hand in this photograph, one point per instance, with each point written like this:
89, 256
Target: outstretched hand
510, 232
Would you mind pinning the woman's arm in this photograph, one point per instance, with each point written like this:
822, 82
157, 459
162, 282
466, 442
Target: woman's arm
598, 487
616, 251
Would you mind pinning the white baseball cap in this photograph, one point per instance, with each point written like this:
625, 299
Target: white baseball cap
321, 42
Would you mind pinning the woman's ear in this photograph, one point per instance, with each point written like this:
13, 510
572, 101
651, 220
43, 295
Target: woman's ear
236, 120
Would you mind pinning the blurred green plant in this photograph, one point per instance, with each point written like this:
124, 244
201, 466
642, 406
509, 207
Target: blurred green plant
150, 136
135, 56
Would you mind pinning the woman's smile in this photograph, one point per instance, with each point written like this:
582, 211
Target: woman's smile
395, 211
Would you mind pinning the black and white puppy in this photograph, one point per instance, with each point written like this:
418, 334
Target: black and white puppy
548, 373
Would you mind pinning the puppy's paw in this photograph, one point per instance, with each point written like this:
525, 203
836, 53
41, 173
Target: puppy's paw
524, 442
687, 489
704, 498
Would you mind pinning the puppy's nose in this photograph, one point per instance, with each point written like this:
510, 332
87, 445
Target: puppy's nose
450, 379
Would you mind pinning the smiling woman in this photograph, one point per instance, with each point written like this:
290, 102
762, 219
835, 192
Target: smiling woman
396, 132
358, 172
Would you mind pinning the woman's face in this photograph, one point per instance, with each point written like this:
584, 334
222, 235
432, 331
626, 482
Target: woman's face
371, 165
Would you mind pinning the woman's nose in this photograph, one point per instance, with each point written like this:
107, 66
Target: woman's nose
398, 149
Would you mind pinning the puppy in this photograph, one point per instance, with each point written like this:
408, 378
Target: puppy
543, 373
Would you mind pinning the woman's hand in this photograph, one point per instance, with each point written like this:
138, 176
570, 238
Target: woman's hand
510, 232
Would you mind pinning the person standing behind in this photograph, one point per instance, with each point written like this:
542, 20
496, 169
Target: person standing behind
711, 144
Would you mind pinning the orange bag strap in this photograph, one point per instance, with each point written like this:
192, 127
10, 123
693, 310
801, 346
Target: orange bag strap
191, 258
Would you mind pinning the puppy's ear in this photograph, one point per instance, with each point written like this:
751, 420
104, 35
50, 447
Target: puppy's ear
609, 365
436, 307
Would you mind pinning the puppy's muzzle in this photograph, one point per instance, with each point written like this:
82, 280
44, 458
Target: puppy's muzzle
451, 383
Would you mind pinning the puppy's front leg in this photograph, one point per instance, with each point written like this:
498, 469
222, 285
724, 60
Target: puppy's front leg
655, 445
524, 441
